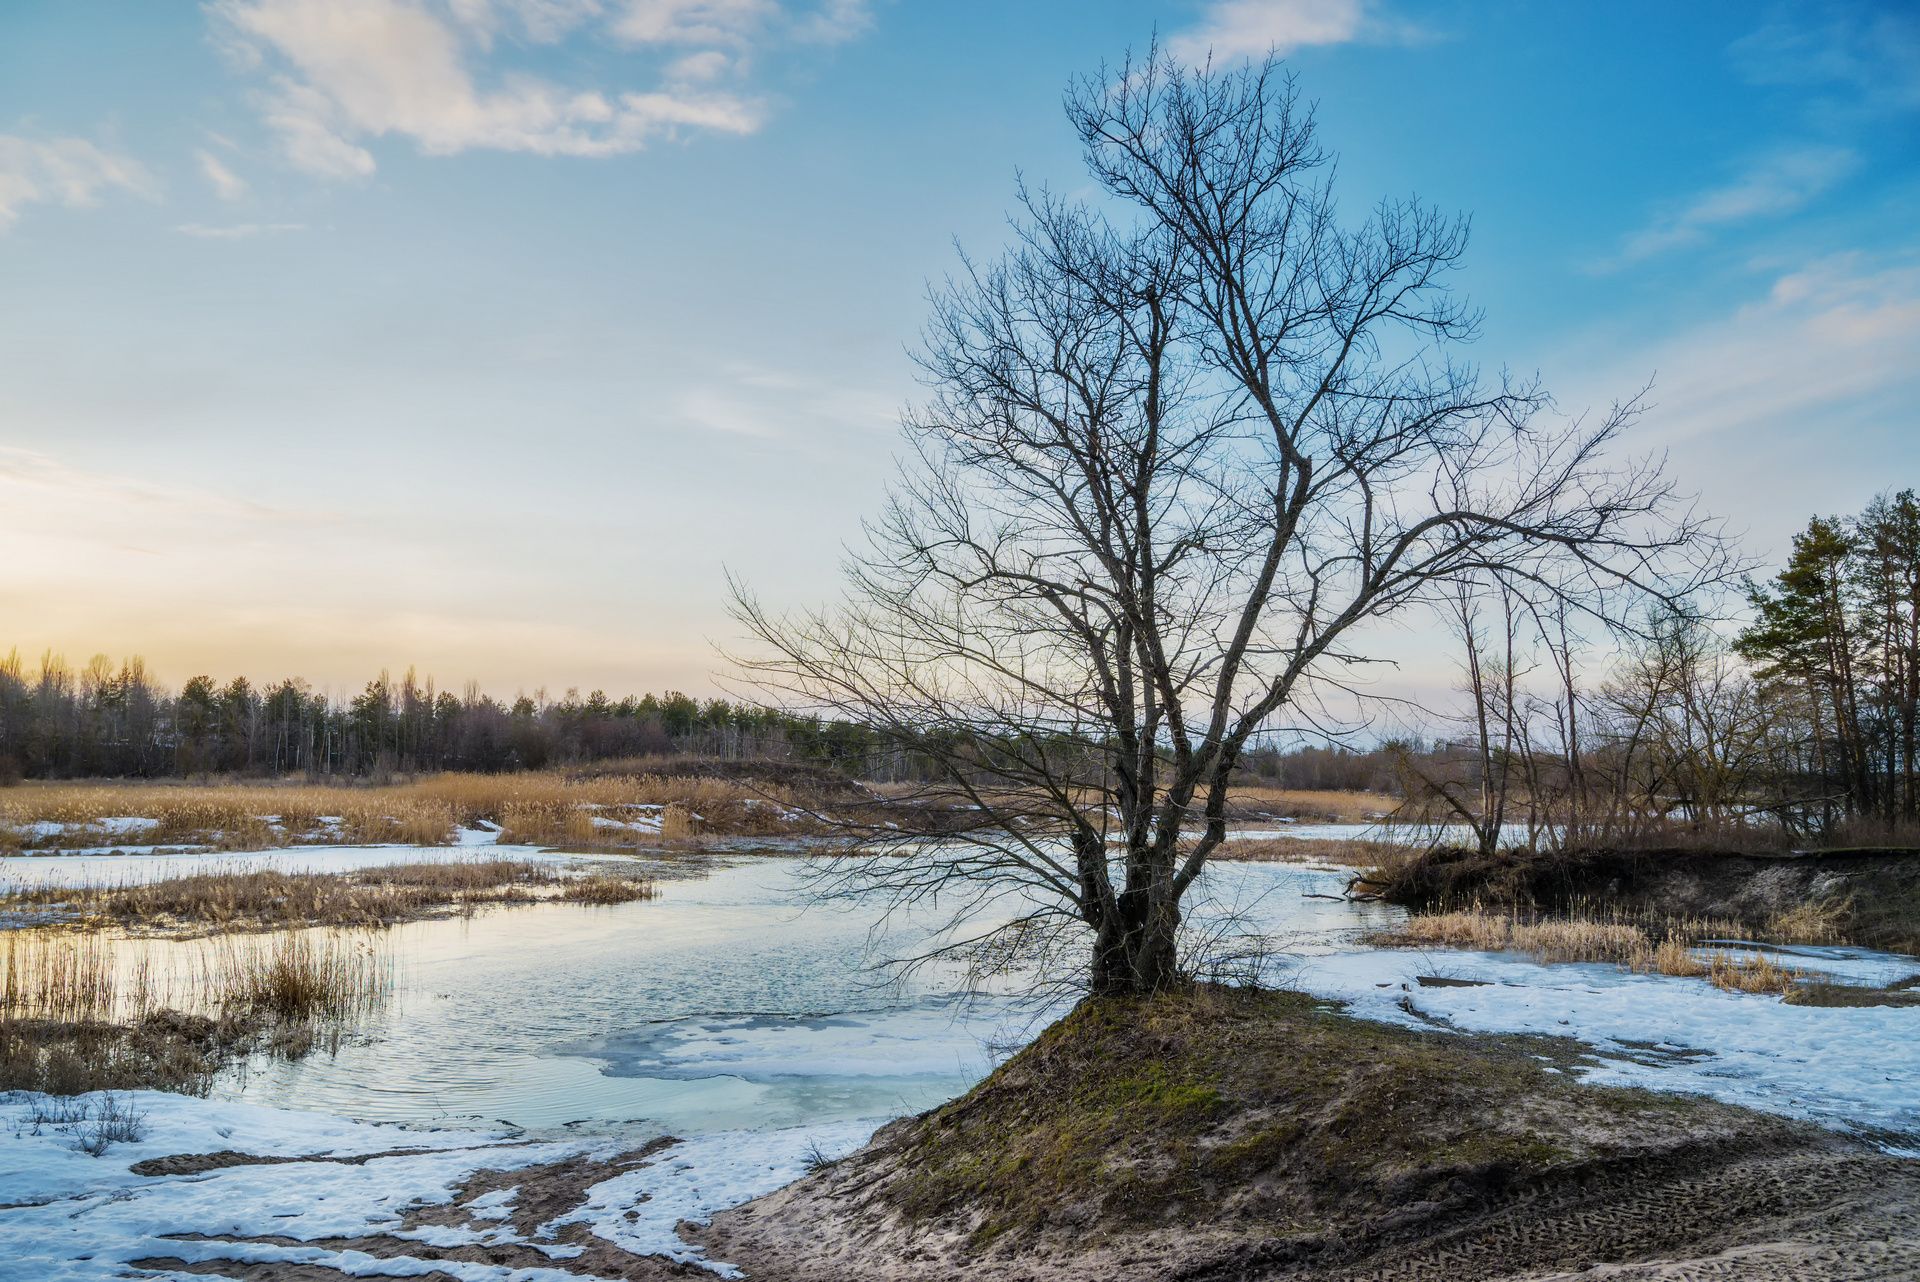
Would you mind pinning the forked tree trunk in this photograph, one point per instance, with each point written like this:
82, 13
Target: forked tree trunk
1137, 932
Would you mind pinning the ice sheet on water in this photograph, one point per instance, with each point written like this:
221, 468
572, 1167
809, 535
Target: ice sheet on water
948, 1037
74, 1216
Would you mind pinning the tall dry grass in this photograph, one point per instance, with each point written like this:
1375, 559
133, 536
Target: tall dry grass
1642, 945
69, 978
268, 899
543, 807
1323, 805
74, 1018
1351, 851
300, 977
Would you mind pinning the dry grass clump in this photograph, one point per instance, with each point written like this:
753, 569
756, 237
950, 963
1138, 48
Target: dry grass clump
213, 902
1756, 973
75, 1019
1547, 940
300, 978
605, 888
1822, 922
1642, 946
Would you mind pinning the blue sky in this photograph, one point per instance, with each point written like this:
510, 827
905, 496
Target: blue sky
482, 334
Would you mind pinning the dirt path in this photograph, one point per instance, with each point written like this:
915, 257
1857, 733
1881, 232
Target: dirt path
1809, 1210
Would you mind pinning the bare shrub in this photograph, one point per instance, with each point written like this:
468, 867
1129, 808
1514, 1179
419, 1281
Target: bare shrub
109, 1119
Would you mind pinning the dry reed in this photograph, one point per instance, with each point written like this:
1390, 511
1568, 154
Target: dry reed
1352, 852
544, 807
76, 1019
218, 901
1637, 944
1323, 805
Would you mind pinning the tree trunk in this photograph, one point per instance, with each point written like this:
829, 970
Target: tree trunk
1136, 941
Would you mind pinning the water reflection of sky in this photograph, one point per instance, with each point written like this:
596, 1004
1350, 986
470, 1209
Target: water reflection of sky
730, 1001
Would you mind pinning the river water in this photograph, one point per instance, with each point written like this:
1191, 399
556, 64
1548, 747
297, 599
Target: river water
733, 1002
730, 1001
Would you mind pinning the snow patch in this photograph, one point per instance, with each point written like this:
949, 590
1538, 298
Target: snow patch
1845, 1067
695, 1179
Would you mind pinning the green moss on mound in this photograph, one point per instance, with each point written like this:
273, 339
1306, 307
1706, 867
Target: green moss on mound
1217, 1104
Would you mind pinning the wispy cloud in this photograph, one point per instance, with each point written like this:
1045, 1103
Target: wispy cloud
1868, 54
342, 73
1778, 183
25, 472
237, 231
1229, 30
759, 401
225, 183
1823, 338
62, 171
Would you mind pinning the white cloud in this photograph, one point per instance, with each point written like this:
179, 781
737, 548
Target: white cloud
708, 64
62, 171
225, 183
1823, 340
1799, 401
237, 231
1230, 30
541, 21
346, 72
299, 114
1826, 335
704, 22
835, 21
1778, 184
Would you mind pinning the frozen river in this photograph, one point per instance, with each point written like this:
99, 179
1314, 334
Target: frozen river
736, 1014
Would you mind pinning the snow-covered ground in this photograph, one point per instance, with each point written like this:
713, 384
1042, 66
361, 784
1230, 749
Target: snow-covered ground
71, 1217
1849, 1067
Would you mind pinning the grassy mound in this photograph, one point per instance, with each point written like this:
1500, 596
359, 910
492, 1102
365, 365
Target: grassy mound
1220, 1134
1222, 1102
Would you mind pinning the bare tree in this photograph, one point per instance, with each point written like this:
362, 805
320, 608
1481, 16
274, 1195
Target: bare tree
1184, 444
1474, 787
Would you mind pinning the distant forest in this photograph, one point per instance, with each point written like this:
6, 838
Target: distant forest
108, 720
1811, 713
117, 720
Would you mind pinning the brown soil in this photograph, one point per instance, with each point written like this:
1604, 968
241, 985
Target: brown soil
1222, 1137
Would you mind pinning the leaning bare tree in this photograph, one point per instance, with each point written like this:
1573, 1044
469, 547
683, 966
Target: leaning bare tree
1185, 444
